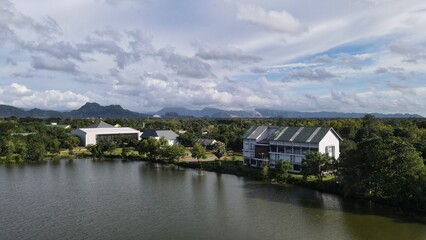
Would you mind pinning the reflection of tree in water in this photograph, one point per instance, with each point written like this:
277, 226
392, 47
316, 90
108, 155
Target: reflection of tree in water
308, 198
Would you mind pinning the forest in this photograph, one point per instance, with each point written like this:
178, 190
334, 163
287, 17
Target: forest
381, 159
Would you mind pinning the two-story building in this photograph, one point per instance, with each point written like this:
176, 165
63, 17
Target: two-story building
269, 144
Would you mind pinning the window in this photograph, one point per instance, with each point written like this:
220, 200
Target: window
288, 149
297, 150
280, 148
330, 151
296, 167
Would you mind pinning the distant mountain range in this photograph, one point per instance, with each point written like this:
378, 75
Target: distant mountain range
267, 113
88, 110
94, 110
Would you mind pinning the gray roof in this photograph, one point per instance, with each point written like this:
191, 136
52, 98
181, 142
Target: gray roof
301, 134
205, 141
167, 134
100, 124
255, 131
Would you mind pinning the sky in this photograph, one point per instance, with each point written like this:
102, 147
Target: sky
304, 55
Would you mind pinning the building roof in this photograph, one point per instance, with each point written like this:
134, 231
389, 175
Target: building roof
301, 134
108, 130
205, 141
100, 124
256, 131
167, 134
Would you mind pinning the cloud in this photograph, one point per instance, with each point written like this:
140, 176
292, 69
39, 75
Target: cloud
20, 96
397, 72
10, 19
258, 70
59, 50
16, 89
227, 54
93, 45
54, 64
323, 59
185, 66
281, 21
309, 74
117, 2
412, 52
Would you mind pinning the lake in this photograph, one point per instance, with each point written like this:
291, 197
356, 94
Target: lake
87, 199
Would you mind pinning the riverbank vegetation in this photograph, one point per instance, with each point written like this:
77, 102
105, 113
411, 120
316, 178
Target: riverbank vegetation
381, 159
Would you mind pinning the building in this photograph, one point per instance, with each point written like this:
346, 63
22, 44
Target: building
206, 142
169, 135
103, 131
269, 144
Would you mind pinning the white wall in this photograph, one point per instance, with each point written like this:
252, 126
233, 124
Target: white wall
330, 140
80, 134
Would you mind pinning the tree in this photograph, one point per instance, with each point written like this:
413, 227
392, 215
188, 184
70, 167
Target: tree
315, 163
98, 150
70, 143
198, 152
265, 172
187, 139
36, 151
172, 153
386, 168
8, 149
149, 147
53, 145
219, 149
281, 170
126, 152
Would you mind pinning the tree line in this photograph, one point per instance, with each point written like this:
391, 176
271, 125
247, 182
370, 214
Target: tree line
381, 159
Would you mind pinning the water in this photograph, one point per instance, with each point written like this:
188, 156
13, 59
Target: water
135, 200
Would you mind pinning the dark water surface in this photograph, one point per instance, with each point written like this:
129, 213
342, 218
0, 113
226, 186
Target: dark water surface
134, 200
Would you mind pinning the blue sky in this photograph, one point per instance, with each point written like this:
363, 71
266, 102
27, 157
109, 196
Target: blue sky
306, 55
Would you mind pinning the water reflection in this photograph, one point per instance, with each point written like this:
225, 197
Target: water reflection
134, 200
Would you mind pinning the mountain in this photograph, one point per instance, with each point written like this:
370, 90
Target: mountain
295, 114
95, 110
207, 112
266, 113
89, 110
8, 111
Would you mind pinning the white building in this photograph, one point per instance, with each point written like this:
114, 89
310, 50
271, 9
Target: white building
269, 144
169, 135
103, 131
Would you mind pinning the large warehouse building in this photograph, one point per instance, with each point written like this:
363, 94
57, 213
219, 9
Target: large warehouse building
103, 131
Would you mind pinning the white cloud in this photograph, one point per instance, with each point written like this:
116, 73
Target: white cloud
280, 21
144, 55
20, 96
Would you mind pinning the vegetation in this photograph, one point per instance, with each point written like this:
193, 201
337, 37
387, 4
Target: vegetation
381, 159
198, 152
316, 163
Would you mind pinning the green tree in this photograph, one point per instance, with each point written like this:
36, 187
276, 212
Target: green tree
265, 172
219, 150
281, 170
8, 150
126, 152
99, 150
198, 152
385, 168
36, 151
151, 148
53, 145
171, 154
315, 163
